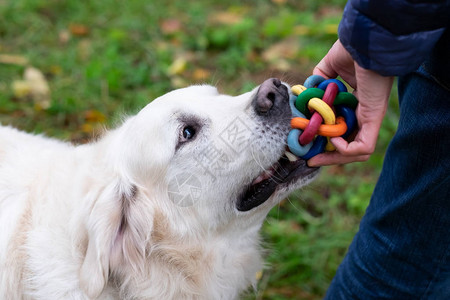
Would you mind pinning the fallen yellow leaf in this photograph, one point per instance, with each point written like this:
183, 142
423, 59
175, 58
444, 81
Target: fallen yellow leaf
331, 28
94, 116
39, 89
200, 74
177, 67
79, 29
13, 59
259, 275
226, 18
84, 49
301, 30
287, 48
87, 128
21, 88
178, 82
55, 69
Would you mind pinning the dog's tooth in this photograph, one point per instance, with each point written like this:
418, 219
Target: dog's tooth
290, 156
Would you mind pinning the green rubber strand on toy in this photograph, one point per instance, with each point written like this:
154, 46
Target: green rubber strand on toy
302, 100
345, 98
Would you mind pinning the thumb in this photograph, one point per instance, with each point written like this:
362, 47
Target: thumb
337, 62
324, 68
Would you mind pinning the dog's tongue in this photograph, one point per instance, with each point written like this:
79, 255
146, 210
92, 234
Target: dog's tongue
264, 175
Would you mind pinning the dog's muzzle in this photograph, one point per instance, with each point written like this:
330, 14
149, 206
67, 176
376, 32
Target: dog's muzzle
272, 99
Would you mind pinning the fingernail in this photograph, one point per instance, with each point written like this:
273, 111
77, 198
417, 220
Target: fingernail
311, 164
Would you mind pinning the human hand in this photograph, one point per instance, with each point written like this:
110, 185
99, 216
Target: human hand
372, 91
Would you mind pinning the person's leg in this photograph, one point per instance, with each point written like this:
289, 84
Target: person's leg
402, 250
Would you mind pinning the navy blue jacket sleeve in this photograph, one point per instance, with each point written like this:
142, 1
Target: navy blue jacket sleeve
392, 37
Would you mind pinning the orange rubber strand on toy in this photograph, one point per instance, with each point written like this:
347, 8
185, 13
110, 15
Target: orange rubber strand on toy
335, 130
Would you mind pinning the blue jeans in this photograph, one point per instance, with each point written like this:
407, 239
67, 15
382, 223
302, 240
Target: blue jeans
402, 249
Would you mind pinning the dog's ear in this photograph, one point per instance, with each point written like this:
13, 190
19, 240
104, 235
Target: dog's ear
110, 229
136, 221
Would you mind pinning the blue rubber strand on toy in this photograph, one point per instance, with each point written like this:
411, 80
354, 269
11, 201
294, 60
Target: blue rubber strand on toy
295, 112
341, 86
317, 148
350, 118
294, 145
313, 81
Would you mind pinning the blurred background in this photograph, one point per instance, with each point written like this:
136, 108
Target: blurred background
69, 68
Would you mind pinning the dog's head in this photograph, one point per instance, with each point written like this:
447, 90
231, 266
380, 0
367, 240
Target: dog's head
220, 155
209, 162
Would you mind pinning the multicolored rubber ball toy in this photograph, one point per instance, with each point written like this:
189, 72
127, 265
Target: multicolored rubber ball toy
322, 108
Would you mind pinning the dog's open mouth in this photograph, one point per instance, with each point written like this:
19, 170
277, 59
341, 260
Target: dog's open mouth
286, 170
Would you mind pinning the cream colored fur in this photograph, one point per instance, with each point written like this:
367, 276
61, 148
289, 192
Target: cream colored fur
96, 221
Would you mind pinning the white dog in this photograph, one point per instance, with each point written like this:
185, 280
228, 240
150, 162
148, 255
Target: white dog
167, 206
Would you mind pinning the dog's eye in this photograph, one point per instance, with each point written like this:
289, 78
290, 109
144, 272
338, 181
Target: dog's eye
188, 132
190, 128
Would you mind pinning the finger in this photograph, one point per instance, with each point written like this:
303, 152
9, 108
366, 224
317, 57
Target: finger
355, 148
334, 158
363, 144
337, 62
325, 69
345, 153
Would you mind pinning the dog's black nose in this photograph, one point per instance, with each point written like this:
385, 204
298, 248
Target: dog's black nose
270, 94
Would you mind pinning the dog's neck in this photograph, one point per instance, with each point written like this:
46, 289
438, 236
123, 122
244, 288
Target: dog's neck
201, 266
148, 254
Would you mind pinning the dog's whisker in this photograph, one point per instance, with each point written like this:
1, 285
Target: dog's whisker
258, 162
293, 205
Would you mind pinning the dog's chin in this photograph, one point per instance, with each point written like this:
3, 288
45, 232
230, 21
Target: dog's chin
283, 176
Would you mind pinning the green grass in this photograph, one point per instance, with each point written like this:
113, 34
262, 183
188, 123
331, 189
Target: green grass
105, 58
